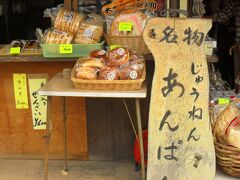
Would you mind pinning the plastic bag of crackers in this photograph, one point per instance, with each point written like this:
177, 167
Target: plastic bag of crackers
73, 27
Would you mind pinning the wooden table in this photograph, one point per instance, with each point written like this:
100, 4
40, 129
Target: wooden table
63, 87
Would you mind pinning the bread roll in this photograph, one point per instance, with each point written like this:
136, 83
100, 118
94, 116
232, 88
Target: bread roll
232, 133
87, 73
99, 54
97, 63
108, 73
131, 71
118, 57
224, 119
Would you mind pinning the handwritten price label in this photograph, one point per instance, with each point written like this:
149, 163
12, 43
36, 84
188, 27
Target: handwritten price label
65, 48
223, 101
125, 26
15, 50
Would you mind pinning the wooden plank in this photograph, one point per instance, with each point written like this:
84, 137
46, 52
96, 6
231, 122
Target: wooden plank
4, 51
180, 137
183, 6
69, 6
34, 59
110, 135
17, 135
75, 5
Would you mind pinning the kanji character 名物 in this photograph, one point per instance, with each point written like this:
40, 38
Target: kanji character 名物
193, 37
168, 36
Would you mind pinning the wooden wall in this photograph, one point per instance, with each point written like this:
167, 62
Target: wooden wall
17, 137
110, 134
106, 135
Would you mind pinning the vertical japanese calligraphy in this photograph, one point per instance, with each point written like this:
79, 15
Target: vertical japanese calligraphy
180, 138
20, 91
38, 103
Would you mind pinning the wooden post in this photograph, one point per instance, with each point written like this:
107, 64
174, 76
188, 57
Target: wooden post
71, 4
183, 6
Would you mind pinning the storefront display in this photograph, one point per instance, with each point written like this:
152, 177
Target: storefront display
122, 50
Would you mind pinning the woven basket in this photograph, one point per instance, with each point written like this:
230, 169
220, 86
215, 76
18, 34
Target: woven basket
134, 43
109, 85
228, 158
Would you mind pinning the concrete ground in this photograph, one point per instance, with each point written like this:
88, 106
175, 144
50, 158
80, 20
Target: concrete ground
78, 170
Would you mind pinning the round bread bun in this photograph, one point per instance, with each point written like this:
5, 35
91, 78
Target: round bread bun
87, 73
99, 54
96, 63
118, 57
108, 73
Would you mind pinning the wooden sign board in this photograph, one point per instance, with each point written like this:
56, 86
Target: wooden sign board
180, 138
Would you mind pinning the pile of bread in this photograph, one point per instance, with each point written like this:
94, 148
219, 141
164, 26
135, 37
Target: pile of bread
73, 27
117, 64
227, 126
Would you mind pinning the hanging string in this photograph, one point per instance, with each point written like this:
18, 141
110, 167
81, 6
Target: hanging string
131, 120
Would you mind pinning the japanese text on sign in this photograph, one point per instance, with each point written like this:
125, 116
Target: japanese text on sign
191, 37
38, 104
20, 91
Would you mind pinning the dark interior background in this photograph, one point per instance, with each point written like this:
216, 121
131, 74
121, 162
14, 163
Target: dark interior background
20, 18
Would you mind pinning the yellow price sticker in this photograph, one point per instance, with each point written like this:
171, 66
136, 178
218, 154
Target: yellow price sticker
65, 48
125, 26
15, 50
223, 101
114, 46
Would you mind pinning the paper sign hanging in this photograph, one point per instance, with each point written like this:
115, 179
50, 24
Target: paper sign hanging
20, 91
38, 103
